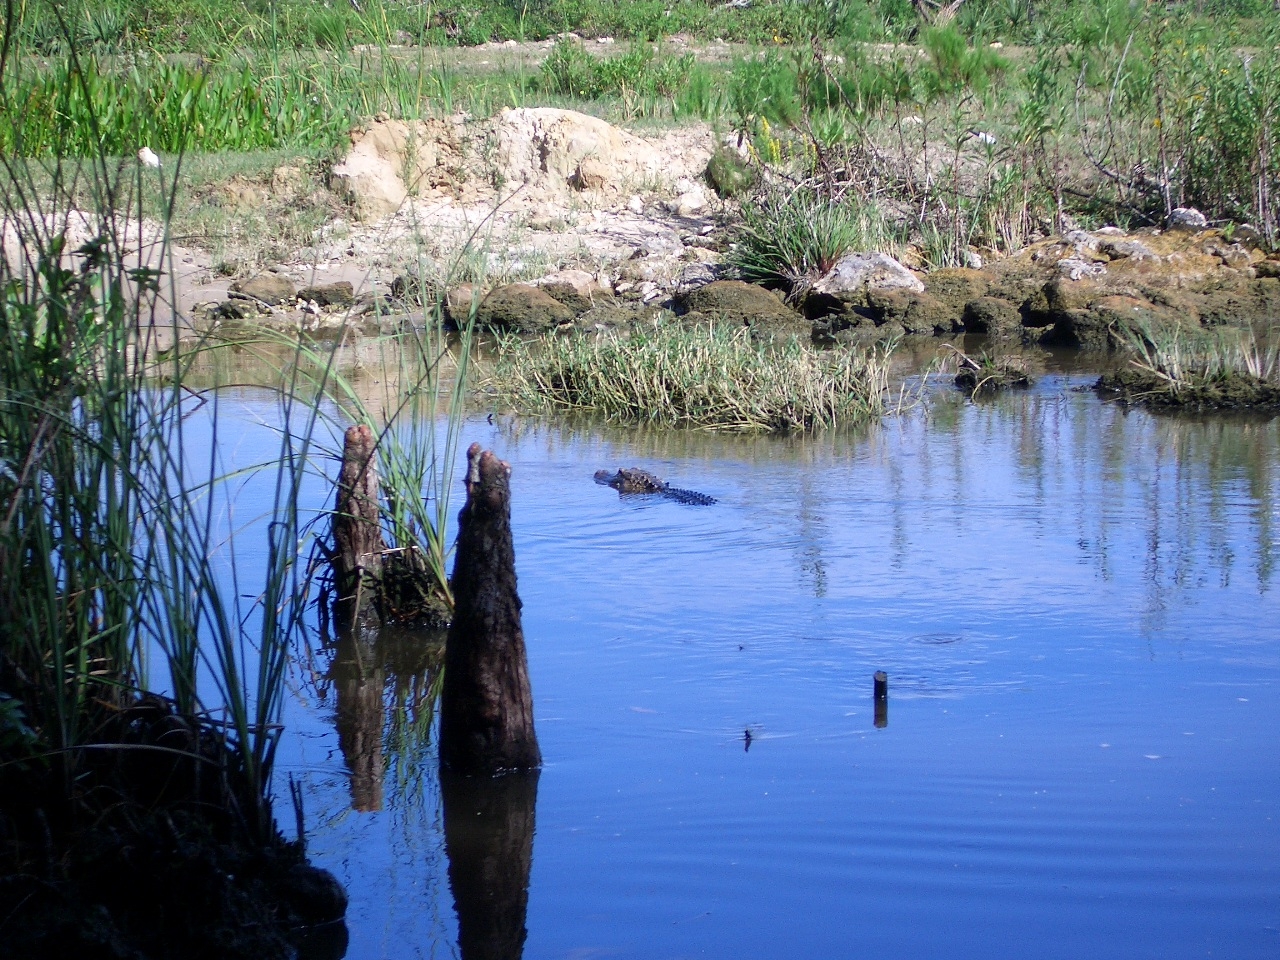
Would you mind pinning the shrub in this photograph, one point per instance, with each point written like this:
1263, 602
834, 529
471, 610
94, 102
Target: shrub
793, 237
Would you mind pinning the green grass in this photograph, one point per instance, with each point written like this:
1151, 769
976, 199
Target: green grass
109, 541
703, 377
793, 237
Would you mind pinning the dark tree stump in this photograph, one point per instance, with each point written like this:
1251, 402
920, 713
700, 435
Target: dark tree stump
357, 526
486, 707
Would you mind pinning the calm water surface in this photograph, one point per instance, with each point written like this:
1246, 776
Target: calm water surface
1077, 610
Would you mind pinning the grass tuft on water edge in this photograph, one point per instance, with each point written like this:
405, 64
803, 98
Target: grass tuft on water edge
706, 377
1198, 369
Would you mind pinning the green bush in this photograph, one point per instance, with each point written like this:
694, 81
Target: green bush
570, 71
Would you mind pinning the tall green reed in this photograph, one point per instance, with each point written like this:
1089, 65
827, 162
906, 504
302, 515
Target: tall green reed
111, 553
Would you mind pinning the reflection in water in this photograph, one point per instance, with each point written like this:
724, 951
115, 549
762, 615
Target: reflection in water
1072, 600
386, 685
358, 681
488, 835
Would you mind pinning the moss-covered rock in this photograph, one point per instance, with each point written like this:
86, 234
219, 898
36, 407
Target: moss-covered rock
521, 308
993, 316
741, 304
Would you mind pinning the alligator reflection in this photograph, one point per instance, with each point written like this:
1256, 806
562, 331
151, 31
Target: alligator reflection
488, 836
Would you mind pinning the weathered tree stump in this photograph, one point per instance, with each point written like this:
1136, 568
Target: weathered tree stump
357, 526
486, 707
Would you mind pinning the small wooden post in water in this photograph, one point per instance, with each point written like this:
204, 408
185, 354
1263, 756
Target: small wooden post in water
880, 695
486, 707
357, 529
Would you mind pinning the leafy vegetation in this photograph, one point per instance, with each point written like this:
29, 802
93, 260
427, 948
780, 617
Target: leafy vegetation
791, 238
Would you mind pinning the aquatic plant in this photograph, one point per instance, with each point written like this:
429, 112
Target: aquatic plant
706, 377
1197, 368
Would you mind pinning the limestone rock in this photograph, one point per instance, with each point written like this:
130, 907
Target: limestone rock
390, 160
856, 272
688, 203
1077, 268
1186, 218
1117, 249
576, 289
521, 308
547, 151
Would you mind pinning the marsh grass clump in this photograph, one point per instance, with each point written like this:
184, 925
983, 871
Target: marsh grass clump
1212, 369
705, 377
791, 237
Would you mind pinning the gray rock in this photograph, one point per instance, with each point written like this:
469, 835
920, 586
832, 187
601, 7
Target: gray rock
867, 271
1186, 218
695, 275
1075, 268
1125, 250
688, 203
269, 288
576, 289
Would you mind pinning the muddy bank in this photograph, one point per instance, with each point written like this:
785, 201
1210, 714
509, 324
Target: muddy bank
152, 852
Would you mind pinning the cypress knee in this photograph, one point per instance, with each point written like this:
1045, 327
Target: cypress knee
357, 527
486, 707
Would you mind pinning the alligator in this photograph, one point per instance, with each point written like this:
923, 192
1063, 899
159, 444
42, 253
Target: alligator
635, 480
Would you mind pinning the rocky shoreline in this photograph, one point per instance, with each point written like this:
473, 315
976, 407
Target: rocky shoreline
546, 219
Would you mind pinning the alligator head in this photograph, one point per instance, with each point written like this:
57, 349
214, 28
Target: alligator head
631, 480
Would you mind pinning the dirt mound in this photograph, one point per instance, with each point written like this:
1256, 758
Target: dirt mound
524, 157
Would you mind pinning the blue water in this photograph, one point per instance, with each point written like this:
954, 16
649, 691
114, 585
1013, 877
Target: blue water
1076, 607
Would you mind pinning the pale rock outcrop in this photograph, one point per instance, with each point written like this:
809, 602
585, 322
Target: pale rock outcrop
390, 160
576, 289
857, 272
